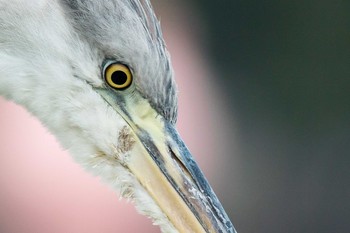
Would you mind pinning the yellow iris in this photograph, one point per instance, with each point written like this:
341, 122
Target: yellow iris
118, 76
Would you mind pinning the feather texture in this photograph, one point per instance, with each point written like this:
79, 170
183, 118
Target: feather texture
51, 53
130, 32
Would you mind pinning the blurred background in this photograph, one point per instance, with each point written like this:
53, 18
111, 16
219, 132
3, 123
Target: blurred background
264, 108
284, 72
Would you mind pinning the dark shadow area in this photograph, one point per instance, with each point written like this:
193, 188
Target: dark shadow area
285, 68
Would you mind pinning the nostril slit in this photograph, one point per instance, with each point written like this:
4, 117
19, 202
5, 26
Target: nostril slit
179, 163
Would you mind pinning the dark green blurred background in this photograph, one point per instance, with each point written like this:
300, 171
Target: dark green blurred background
284, 72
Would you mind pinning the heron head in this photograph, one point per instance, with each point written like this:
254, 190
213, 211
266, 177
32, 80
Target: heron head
98, 75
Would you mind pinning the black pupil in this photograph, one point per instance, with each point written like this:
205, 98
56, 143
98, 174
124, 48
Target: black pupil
119, 77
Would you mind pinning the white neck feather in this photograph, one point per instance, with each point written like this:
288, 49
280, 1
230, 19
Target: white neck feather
40, 57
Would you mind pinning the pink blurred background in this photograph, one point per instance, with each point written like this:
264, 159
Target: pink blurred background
43, 190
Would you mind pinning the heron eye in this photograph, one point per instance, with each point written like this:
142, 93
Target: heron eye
118, 76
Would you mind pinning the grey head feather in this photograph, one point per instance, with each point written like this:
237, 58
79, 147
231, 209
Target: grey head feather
129, 32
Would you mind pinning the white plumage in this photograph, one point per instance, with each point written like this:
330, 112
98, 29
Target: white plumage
39, 55
51, 60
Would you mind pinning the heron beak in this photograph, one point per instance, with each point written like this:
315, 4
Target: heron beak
164, 166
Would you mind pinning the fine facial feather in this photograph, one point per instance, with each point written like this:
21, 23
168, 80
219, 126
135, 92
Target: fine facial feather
50, 60
129, 32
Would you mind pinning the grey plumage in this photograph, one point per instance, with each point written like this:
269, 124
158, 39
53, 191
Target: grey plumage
111, 27
53, 58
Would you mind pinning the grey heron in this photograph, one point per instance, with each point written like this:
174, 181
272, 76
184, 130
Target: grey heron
98, 75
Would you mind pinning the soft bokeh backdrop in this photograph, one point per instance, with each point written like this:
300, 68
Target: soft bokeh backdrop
264, 107
285, 75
